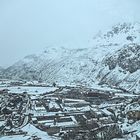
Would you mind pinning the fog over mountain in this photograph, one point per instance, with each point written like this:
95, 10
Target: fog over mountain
113, 60
27, 27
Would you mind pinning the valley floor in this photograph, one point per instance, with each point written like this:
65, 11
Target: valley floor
33, 112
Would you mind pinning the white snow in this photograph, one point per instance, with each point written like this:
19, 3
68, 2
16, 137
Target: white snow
29, 89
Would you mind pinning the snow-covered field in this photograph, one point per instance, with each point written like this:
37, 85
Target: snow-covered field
29, 89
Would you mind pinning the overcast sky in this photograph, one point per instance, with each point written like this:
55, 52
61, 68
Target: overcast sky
27, 26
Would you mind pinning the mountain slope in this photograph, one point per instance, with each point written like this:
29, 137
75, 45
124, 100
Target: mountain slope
1, 71
61, 67
112, 59
122, 69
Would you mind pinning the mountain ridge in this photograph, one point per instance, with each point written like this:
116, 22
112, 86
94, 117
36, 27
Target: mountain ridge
98, 63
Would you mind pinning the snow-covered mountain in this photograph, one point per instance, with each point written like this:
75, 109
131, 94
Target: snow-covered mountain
1, 68
54, 65
122, 68
1, 71
113, 59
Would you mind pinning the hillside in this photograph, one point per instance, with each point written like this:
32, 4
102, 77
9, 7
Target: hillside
1, 71
113, 59
122, 69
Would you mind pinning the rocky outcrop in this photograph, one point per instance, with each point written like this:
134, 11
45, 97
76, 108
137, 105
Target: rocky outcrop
122, 69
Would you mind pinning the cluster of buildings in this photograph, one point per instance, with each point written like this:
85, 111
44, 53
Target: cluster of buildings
71, 113
12, 112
